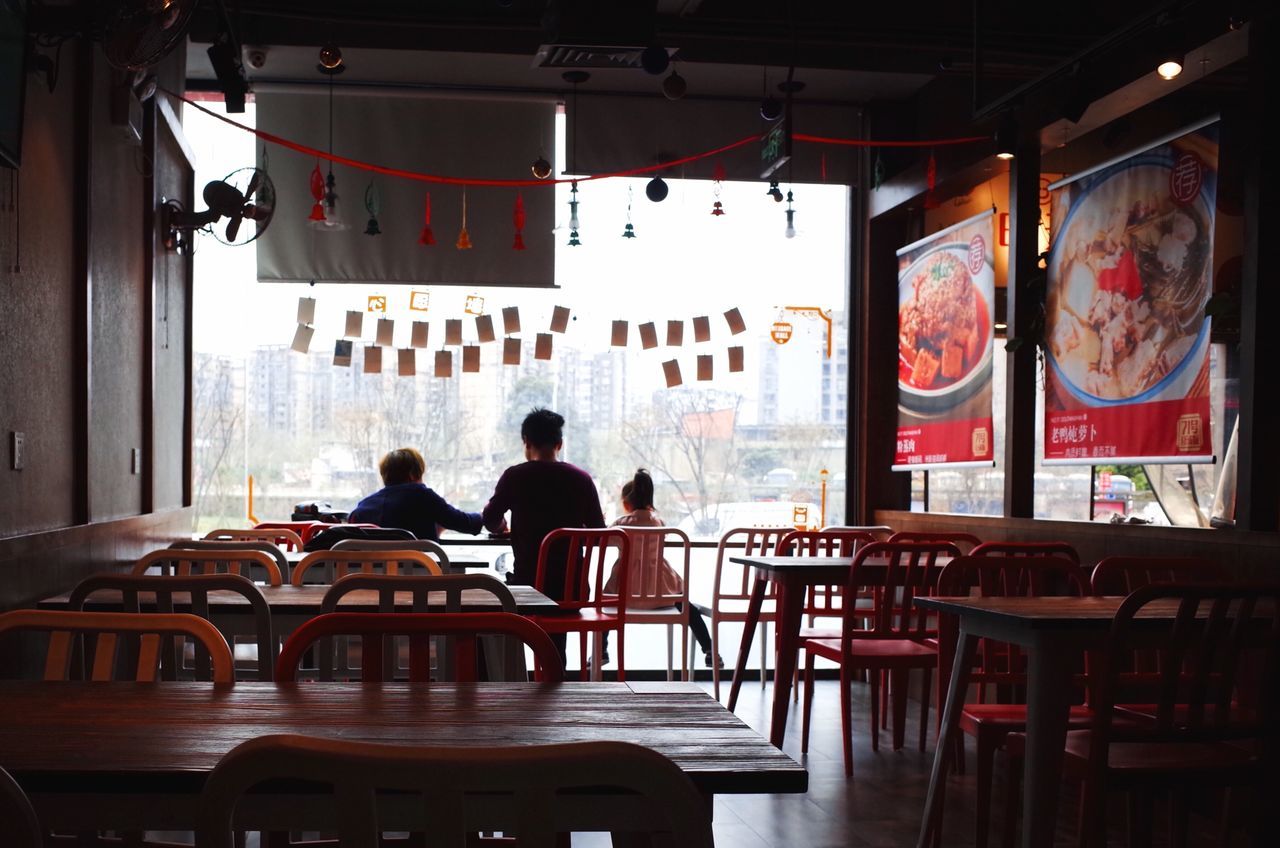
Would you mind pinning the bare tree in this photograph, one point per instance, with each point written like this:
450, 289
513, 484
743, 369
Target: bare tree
218, 427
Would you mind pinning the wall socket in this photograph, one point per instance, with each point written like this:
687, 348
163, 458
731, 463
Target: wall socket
135, 459
17, 450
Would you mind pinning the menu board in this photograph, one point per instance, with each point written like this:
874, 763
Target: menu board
946, 316
1130, 270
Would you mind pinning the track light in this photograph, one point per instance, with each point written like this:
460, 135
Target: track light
1006, 138
1170, 66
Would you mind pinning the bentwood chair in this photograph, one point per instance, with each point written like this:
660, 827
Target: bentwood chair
338, 564
281, 537
304, 529
267, 548
731, 592
376, 632
159, 592
646, 602
184, 563
435, 550
105, 633
966, 542
531, 791
21, 828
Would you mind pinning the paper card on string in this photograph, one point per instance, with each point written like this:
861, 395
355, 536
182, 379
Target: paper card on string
701, 329
648, 335
559, 319
484, 328
734, 319
372, 359
510, 351
542, 347
705, 366
510, 320
306, 310
355, 324
444, 363
386, 332
342, 353
619, 336
421, 330
453, 331
671, 369
471, 359
736, 360
302, 338
408, 362
675, 333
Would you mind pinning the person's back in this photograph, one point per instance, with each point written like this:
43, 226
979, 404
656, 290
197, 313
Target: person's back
405, 502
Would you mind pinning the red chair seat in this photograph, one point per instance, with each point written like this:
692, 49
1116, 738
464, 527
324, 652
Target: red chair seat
1011, 718
589, 619
873, 650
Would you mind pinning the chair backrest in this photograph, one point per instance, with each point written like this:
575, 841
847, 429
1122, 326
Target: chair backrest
140, 635
834, 542
733, 581
280, 537
376, 632
304, 529
897, 573
1121, 575
649, 547
21, 827
539, 789
194, 590
966, 542
232, 545
1062, 549
1220, 641
338, 564
433, 549
330, 536
881, 532
586, 565
179, 562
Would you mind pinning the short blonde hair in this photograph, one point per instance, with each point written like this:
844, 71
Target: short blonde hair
403, 465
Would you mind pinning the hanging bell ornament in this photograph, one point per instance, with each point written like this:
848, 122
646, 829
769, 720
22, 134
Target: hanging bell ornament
464, 238
372, 205
427, 237
317, 194
574, 241
629, 231
717, 177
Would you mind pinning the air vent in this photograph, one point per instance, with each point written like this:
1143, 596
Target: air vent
586, 56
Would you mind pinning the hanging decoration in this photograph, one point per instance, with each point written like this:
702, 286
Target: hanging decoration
791, 217
518, 219
656, 190
717, 178
931, 182
877, 172
427, 237
774, 192
629, 231
331, 221
573, 216
464, 238
317, 194
372, 204
541, 168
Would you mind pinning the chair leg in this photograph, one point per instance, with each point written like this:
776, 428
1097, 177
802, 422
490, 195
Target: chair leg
1013, 797
670, 658
982, 805
582, 656
764, 651
686, 654
873, 676
884, 699
846, 719
1179, 807
808, 704
898, 691
1140, 815
795, 681
1093, 816
924, 707
622, 655
715, 651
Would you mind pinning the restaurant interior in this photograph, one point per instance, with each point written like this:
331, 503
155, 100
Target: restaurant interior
283, 281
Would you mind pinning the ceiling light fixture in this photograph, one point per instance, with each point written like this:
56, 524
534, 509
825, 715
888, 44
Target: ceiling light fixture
1006, 138
1170, 67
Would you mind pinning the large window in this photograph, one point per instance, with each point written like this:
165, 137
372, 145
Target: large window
765, 445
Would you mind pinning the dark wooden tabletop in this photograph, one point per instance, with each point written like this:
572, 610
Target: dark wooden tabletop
1047, 612
819, 569
125, 737
305, 600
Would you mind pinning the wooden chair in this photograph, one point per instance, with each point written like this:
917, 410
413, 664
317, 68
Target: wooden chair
535, 792
184, 563
195, 589
1201, 732
579, 588
338, 564
231, 545
21, 827
281, 537
1121, 575
373, 630
732, 589
893, 641
646, 603
1018, 549
108, 630
965, 542
999, 665
432, 549
304, 529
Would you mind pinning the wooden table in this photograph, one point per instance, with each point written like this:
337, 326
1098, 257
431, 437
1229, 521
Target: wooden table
792, 575
135, 756
1053, 632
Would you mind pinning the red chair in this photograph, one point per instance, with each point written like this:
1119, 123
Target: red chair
304, 529
286, 540
1203, 731
1023, 549
376, 632
732, 591
21, 828
585, 608
1121, 575
893, 641
966, 542
998, 664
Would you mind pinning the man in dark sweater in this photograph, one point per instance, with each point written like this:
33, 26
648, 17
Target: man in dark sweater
542, 495
406, 503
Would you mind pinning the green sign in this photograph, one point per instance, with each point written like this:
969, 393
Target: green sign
775, 147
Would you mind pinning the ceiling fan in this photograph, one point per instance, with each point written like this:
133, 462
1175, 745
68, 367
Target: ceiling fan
139, 33
244, 195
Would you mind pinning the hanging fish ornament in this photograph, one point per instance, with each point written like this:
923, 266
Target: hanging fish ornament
427, 237
317, 194
372, 204
518, 219
464, 238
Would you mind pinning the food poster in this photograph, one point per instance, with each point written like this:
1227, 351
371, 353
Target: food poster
1130, 270
946, 316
